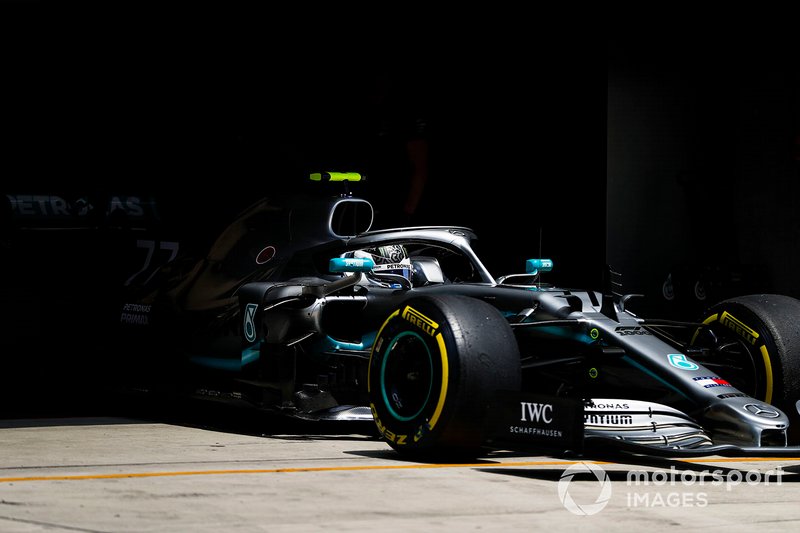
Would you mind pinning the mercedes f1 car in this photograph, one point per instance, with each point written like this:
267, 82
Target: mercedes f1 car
300, 309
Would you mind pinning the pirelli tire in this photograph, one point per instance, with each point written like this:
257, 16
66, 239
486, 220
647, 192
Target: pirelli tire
758, 338
435, 365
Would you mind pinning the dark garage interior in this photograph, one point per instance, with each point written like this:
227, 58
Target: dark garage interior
698, 200
703, 170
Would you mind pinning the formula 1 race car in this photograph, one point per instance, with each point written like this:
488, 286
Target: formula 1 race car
300, 309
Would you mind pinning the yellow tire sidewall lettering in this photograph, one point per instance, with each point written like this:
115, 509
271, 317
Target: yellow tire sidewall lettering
401, 433
768, 372
445, 377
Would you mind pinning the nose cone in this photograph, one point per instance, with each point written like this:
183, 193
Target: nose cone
747, 422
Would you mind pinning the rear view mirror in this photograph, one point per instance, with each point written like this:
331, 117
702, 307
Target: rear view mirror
535, 266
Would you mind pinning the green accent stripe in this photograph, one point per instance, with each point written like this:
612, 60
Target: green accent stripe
249, 355
654, 376
386, 401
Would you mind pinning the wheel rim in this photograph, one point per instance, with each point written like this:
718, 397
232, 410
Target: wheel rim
406, 376
732, 359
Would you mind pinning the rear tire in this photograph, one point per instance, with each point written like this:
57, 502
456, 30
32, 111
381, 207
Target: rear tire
436, 363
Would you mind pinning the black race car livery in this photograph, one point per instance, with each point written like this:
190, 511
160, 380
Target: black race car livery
300, 309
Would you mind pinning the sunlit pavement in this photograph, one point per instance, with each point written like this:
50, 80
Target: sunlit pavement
119, 474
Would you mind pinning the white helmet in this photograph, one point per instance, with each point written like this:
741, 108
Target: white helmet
390, 260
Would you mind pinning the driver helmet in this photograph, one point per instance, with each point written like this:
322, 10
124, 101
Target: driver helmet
388, 259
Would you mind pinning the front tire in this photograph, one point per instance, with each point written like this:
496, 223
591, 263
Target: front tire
436, 363
754, 340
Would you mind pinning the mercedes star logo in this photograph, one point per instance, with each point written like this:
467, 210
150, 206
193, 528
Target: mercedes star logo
761, 410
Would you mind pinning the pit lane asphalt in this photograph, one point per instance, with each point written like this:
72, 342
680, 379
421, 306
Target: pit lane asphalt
213, 470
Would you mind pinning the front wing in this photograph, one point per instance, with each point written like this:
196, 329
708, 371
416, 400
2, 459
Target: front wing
555, 425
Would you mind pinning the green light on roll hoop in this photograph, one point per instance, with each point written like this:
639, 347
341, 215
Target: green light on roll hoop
337, 176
